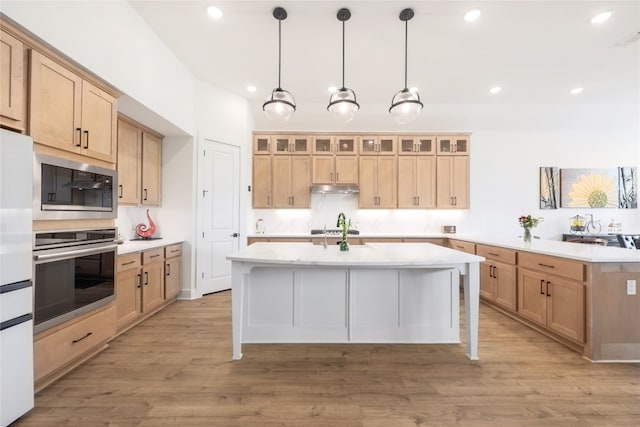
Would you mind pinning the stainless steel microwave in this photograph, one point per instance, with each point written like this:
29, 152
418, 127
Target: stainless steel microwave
65, 189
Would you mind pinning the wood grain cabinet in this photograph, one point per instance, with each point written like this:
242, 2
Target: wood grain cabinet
13, 96
498, 276
128, 289
551, 293
452, 190
261, 189
291, 144
139, 164
378, 145
262, 144
416, 182
291, 177
334, 160
173, 259
378, 182
69, 113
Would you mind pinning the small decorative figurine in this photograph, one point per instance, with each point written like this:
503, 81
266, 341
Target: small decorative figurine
145, 231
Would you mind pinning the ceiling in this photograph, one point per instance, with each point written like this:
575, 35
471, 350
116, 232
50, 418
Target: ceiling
536, 51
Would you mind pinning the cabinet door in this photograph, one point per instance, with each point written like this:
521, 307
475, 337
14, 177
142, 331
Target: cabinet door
460, 182
323, 172
504, 276
129, 154
323, 145
367, 197
452, 182
55, 103
565, 309
171, 277
407, 197
128, 293
346, 145
387, 180
261, 182
12, 79
346, 170
425, 181
487, 284
387, 145
151, 167
98, 123
532, 296
453, 145
444, 177
300, 181
281, 189
301, 144
152, 286
261, 144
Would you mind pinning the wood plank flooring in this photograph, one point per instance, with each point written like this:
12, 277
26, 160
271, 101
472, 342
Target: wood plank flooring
175, 369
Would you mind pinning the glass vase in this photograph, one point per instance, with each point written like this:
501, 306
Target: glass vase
344, 245
527, 235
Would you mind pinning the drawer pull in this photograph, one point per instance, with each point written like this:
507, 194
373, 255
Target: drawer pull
128, 263
546, 265
80, 339
139, 285
459, 246
175, 250
541, 285
168, 269
154, 256
493, 254
548, 294
146, 278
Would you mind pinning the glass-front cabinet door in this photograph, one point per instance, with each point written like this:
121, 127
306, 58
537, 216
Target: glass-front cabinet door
261, 144
346, 145
378, 145
323, 145
453, 145
425, 145
292, 144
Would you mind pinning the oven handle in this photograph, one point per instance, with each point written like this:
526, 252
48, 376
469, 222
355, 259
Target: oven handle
74, 254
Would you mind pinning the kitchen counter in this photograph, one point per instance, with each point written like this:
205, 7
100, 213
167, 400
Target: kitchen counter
576, 251
142, 245
376, 292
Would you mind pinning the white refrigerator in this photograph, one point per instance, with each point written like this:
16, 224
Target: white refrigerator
16, 290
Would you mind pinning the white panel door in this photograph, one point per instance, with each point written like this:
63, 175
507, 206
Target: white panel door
218, 214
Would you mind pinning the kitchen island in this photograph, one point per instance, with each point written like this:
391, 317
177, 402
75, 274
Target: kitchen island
374, 293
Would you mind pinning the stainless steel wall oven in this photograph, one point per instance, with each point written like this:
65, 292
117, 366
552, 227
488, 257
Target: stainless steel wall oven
64, 189
74, 272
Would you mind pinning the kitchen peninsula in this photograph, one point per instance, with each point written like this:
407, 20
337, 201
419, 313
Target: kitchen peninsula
377, 292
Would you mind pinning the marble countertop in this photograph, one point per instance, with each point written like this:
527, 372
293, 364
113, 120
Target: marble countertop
577, 251
370, 254
142, 245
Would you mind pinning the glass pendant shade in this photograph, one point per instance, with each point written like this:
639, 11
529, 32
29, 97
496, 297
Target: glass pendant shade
280, 105
343, 105
405, 106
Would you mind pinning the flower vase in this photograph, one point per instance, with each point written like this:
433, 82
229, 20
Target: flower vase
344, 245
527, 235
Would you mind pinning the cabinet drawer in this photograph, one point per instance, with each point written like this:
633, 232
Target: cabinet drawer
559, 266
499, 254
127, 261
463, 246
173, 250
68, 343
152, 255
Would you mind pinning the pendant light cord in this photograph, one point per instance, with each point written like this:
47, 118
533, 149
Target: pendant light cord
343, 54
280, 50
406, 41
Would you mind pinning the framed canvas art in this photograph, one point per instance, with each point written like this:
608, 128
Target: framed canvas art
549, 187
627, 188
589, 188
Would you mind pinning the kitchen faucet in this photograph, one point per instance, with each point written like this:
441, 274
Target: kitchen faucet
324, 243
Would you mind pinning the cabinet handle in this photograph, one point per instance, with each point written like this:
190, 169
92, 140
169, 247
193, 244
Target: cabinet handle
541, 285
546, 265
168, 269
330, 176
268, 200
493, 254
80, 339
548, 283
455, 200
86, 139
337, 177
491, 271
139, 285
173, 251
119, 191
145, 194
79, 144
495, 272
418, 201
128, 263
293, 200
146, 278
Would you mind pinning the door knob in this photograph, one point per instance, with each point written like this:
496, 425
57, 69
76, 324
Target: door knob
234, 235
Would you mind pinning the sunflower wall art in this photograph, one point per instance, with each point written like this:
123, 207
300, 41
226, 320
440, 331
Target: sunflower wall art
589, 188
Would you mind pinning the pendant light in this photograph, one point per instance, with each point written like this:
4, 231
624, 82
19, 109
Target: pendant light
405, 105
342, 103
280, 104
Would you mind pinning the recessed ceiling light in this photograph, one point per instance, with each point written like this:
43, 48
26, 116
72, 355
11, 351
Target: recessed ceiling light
472, 15
251, 88
601, 17
332, 89
214, 12
495, 90
576, 91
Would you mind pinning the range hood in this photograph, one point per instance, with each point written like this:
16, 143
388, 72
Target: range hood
335, 189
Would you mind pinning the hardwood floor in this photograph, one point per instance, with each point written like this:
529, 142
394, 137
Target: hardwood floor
175, 369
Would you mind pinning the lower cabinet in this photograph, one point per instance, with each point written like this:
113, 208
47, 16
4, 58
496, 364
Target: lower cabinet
60, 349
498, 276
145, 282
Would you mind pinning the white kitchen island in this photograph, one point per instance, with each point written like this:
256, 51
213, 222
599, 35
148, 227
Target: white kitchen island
374, 293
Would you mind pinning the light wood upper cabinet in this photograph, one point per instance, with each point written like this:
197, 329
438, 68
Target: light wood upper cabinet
412, 145
139, 164
12, 83
452, 179
262, 144
129, 162
417, 182
291, 181
378, 145
151, 168
453, 145
335, 169
261, 191
69, 113
291, 144
378, 179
